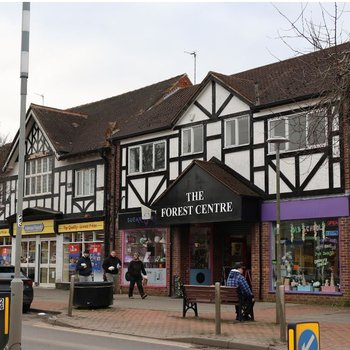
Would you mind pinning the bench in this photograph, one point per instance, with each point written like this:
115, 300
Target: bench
193, 294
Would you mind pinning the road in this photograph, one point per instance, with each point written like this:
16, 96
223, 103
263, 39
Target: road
42, 336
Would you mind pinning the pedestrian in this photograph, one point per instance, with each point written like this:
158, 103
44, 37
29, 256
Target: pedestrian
84, 267
111, 266
236, 279
137, 272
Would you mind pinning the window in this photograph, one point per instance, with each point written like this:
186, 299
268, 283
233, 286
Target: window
237, 131
147, 157
310, 255
38, 176
192, 140
85, 182
302, 130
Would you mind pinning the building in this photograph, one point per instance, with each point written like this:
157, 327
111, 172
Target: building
197, 181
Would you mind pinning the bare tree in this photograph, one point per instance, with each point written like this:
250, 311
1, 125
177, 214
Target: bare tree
325, 74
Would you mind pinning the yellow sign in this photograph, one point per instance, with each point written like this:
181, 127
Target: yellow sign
4, 232
39, 227
81, 226
304, 336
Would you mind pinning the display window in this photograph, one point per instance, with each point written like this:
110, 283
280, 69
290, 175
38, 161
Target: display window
73, 246
151, 245
5, 250
310, 255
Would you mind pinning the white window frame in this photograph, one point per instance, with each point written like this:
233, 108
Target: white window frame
237, 131
192, 139
80, 190
140, 148
35, 181
287, 146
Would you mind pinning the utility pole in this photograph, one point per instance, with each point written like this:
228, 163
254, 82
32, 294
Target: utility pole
194, 54
15, 336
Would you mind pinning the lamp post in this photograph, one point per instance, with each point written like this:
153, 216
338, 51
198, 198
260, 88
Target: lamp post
15, 334
280, 304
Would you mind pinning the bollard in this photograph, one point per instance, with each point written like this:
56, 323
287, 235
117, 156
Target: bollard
71, 294
217, 309
283, 335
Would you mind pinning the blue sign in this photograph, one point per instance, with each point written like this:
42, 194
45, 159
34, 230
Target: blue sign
308, 340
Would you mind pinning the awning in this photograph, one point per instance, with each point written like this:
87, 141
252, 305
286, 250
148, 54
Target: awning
208, 192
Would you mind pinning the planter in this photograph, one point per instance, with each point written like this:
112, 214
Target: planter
330, 289
93, 294
305, 288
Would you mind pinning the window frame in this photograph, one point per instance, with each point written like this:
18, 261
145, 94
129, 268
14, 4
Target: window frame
140, 155
286, 147
237, 131
34, 179
91, 186
191, 129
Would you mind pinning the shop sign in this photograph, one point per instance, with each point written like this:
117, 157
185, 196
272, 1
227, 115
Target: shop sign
4, 232
134, 220
81, 226
36, 227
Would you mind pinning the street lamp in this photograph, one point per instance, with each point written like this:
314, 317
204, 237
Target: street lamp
280, 304
15, 334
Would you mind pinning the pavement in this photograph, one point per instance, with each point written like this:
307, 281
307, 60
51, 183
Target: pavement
161, 318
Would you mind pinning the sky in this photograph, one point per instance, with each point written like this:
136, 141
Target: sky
83, 52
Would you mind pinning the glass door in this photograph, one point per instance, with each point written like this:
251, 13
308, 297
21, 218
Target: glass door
28, 258
47, 268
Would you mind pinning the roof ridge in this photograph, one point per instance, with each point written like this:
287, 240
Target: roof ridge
52, 109
125, 93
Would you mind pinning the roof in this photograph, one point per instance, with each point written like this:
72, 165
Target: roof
86, 128
4, 151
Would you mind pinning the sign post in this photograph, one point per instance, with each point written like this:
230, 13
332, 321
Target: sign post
304, 336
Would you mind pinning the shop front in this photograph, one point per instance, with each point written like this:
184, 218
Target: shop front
5, 246
313, 234
213, 219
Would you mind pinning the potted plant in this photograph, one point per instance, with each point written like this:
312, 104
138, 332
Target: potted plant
316, 286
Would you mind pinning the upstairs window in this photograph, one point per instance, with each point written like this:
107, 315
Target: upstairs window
147, 157
237, 131
38, 176
302, 130
192, 140
85, 182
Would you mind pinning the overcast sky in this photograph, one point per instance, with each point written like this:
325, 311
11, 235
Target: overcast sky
84, 52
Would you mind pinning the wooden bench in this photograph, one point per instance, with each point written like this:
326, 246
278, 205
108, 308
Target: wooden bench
193, 294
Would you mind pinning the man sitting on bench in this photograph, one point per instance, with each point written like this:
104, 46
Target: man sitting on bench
236, 279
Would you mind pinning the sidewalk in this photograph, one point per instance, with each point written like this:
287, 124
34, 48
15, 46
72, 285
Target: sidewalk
161, 318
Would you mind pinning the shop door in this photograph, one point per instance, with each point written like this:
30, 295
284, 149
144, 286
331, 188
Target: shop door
47, 266
28, 258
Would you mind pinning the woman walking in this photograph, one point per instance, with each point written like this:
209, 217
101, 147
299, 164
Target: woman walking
136, 269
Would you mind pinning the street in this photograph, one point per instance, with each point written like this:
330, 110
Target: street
38, 335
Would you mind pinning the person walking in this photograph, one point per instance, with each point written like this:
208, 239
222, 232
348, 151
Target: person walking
84, 267
236, 279
136, 269
111, 266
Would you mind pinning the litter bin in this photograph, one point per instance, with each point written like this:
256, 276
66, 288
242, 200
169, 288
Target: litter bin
4, 318
93, 294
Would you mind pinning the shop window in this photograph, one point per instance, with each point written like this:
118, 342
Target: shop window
38, 176
5, 250
237, 131
192, 140
85, 182
147, 157
151, 245
73, 246
310, 255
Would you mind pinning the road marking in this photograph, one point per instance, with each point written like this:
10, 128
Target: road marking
307, 347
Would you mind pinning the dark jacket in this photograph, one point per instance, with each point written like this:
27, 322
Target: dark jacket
135, 268
111, 261
87, 271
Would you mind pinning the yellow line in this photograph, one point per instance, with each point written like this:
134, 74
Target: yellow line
7, 309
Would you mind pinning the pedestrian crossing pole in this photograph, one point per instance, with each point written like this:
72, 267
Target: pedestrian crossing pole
16, 305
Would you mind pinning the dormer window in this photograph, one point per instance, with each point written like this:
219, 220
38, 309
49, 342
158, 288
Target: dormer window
147, 157
192, 140
38, 176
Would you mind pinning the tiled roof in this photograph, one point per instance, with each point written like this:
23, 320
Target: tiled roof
289, 79
85, 128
